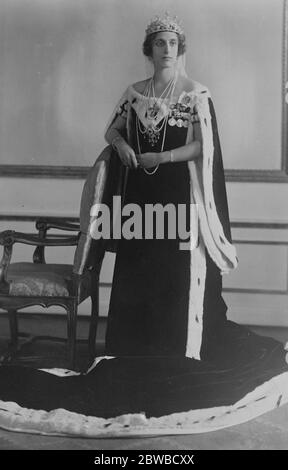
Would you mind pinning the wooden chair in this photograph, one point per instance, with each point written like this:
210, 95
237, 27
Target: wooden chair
25, 284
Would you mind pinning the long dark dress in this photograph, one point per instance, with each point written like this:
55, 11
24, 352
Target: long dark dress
174, 363
149, 304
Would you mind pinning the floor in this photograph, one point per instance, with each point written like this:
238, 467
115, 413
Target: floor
269, 431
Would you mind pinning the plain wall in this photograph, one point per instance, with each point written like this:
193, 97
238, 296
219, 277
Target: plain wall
65, 64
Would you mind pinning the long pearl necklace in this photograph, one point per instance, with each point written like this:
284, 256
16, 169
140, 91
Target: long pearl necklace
153, 108
153, 130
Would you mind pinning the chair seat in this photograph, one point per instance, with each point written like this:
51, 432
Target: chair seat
32, 279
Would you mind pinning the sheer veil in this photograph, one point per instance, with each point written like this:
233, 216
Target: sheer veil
179, 69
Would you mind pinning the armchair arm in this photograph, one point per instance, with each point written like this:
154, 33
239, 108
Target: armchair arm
9, 237
7, 241
43, 224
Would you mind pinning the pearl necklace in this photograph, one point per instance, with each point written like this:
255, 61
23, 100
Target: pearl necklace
153, 130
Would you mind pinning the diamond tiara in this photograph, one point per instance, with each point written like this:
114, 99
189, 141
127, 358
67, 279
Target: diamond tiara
168, 23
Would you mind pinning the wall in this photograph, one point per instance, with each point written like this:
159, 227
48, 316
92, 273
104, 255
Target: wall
65, 64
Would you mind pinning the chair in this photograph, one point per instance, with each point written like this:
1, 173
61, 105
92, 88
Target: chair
25, 284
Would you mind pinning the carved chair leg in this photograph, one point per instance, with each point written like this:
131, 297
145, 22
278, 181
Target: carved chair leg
94, 318
13, 323
13, 344
71, 332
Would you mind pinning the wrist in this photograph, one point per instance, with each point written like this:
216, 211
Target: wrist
165, 157
117, 142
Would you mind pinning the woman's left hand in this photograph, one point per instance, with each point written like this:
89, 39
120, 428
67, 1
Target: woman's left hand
148, 160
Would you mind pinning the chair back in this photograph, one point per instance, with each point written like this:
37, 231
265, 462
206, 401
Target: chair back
104, 180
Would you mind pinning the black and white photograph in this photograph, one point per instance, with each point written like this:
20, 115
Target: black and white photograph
143, 227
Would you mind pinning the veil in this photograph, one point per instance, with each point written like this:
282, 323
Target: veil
179, 69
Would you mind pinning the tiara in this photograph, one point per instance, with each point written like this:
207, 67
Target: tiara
168, 23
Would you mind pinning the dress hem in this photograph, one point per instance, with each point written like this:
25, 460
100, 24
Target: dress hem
60, 422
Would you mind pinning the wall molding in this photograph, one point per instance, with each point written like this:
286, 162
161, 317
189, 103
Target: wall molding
234, 224
81, 172
260, 176
39, 171
260, 224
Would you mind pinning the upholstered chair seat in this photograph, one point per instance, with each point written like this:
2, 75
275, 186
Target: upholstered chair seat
30, 279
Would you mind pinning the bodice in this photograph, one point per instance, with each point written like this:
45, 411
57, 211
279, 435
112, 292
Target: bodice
181, 111
171, 116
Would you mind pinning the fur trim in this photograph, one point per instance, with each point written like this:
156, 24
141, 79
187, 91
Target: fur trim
227, 249
61, 422
196, 301
220, 249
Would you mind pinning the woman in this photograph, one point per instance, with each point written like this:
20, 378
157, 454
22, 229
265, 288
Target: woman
157, 134
174, 363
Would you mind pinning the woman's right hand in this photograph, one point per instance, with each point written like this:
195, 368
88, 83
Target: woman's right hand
126, 154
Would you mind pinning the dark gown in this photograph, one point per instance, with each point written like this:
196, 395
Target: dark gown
146, 383
149, 303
